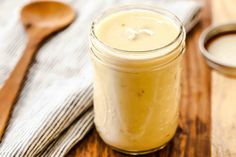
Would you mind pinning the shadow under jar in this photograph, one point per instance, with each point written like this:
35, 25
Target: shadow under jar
136, 52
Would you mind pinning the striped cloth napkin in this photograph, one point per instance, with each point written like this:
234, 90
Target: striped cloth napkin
54, 110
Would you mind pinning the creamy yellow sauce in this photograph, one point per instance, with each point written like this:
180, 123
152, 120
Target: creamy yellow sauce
136, 30
136, 111
224, 48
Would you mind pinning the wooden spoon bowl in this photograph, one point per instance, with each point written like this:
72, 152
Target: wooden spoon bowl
47, 14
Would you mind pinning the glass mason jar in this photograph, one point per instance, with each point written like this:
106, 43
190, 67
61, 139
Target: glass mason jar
136, 93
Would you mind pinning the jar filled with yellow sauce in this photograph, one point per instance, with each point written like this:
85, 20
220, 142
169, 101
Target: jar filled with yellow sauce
136, 52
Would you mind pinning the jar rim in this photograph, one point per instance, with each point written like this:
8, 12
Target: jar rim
136, 6
214, 62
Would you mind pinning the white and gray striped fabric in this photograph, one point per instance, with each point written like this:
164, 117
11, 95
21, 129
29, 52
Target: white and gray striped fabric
54, 110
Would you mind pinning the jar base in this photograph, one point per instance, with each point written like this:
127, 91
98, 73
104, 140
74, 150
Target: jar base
138, 152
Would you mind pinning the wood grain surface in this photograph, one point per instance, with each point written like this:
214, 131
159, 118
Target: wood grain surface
193, 135
223, 93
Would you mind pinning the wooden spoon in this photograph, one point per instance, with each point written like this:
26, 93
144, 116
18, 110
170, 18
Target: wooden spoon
40, 19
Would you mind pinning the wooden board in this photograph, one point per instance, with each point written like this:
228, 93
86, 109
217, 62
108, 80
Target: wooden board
193, 135
223, 93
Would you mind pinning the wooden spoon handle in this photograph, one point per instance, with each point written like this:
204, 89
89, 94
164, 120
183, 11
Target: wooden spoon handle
12, 86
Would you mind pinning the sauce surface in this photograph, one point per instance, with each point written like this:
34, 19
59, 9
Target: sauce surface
224, 47
136, 30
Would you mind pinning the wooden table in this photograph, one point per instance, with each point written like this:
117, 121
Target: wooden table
194, 135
